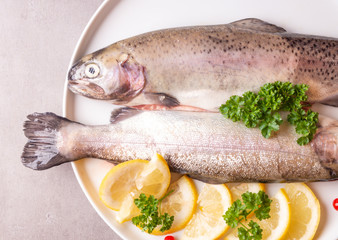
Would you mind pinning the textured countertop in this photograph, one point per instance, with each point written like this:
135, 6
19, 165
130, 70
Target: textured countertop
36, 43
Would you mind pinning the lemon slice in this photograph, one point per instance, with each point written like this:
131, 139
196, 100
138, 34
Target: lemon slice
128, 208
181, 204
274, 227
238, 189
207, 222
126, 181
119, 182
154, 179
305, 211
277, 225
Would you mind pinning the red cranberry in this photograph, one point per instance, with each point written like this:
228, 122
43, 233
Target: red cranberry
335, 204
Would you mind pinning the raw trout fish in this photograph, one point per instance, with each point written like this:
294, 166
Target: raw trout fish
204, 145
199, 68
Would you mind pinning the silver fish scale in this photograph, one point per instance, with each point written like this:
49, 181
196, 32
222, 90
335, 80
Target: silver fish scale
203, 145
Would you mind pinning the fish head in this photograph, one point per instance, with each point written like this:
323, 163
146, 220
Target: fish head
325, 144
107, 74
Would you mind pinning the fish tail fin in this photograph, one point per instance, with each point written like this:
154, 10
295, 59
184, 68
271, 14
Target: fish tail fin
41, 151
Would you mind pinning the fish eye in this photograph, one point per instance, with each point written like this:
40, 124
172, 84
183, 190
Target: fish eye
92, 70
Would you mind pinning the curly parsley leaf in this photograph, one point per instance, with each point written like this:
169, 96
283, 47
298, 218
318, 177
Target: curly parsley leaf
263, 202
150, 217
252, 233
270, 123
262, 109
259, 203
233, 110
233, 214
306, 124
255, 230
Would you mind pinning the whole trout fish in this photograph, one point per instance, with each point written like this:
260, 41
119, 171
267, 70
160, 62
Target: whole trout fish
202, 144
199, 68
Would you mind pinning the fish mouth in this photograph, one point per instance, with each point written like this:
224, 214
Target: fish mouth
86, 89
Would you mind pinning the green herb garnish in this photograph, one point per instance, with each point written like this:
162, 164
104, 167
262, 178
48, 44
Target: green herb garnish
259, 203
262, 109
151, 216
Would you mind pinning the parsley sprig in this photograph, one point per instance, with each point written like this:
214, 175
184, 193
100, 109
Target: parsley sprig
262, 109
259, 203
151, 216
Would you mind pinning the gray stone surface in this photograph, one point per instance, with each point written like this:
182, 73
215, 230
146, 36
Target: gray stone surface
36, 43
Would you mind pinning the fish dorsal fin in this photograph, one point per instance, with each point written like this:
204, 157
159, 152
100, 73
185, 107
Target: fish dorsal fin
257, 25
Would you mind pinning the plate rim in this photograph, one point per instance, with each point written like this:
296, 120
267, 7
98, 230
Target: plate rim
94, 20
65, 108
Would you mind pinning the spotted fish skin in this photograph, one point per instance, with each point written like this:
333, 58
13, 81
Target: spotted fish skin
190, 64
204, 145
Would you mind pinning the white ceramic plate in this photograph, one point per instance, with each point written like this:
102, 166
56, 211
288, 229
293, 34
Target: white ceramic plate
116, 20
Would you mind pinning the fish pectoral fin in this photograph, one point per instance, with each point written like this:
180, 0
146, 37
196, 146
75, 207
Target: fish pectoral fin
123, 113
257, 25
331, 100
162, 99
